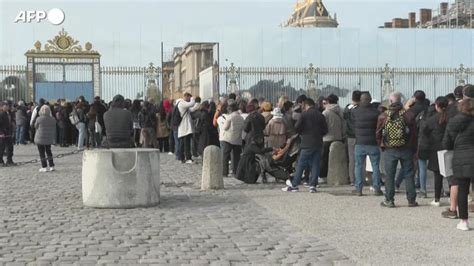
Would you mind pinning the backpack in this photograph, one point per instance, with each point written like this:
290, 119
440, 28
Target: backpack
395, 131
74, 118
176, 117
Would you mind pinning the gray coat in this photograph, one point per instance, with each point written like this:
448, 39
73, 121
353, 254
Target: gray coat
45, 130
336, 123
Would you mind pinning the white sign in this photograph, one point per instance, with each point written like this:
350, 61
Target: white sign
55, 16
206, 84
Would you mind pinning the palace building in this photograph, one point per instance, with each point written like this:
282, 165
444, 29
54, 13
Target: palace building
457, 15
311, 13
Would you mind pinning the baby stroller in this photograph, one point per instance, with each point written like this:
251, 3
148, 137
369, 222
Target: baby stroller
282, 168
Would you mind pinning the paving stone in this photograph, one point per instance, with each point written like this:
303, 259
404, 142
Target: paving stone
45, 222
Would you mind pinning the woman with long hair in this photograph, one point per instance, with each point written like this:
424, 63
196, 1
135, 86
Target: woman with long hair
458, 138
163, 128
135, 109
431, 137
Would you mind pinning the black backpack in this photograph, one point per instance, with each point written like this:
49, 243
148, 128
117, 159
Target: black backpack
176, 117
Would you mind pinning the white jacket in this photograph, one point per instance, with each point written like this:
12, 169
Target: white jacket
185, 109
232, 129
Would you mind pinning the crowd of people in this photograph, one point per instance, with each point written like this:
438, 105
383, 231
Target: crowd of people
409, 134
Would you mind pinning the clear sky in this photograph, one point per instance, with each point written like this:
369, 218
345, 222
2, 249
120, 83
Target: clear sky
130, 32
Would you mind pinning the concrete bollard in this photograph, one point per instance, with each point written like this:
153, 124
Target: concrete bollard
121, 178
338, 170
212, 169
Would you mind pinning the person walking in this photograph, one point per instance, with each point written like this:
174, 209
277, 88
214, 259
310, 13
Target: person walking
396, 136
364, 119
45, 126
459, 138
232, 139
312, 127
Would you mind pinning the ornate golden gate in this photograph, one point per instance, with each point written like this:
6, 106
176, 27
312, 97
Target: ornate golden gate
62, 69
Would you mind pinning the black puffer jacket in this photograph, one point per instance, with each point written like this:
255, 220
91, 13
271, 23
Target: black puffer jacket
459, 137
365, 125
432, 131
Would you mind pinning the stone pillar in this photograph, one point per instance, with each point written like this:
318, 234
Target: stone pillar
338, 170
121, 178
212, 169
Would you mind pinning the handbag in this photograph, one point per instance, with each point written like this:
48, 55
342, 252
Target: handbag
98, 127
445, 161
74, 118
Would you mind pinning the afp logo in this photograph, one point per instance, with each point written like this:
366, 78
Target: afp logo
55, 16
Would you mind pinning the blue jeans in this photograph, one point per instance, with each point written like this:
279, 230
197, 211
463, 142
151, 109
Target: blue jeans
361, 152
81, 127
308, 158
20, 135
422, 169
392, 157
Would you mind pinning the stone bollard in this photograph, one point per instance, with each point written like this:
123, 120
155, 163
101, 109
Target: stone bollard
121, 178
212, 169
338, 169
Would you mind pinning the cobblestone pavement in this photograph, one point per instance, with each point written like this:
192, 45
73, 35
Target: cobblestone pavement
43, 221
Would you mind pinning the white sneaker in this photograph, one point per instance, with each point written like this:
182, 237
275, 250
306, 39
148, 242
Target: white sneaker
464, 226
435, 203
288, 183
43, 170
189, 161
51, 169
170, 153
321, 180
372, 189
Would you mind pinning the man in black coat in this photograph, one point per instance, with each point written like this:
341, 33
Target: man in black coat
254, 123
6, 134
365, 125
119, 125
312, 127
350, 132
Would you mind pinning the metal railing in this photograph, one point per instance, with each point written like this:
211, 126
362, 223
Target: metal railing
13, 84
271, 82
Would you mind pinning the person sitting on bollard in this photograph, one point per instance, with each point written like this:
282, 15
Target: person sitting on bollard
118, 124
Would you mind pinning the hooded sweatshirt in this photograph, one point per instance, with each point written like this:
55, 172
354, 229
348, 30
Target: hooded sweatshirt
336, 123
